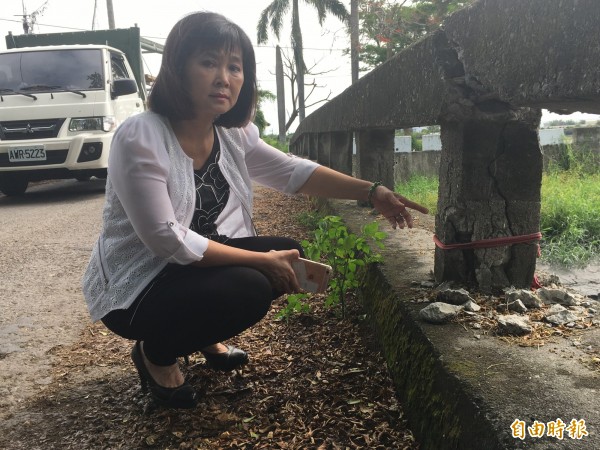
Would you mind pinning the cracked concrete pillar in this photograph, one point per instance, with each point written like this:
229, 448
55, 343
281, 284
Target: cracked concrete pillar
323, 146
340, 151
305, 145
490, 181
313, 143
375, 156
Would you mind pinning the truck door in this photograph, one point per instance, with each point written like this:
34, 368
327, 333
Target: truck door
126, 105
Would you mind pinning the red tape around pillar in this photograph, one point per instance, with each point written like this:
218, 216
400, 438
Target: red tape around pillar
495, 242
489, 243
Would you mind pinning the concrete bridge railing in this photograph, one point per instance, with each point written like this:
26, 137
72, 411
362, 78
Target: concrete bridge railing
483, 77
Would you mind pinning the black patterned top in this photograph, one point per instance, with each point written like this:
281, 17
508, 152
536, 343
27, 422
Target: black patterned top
212, 193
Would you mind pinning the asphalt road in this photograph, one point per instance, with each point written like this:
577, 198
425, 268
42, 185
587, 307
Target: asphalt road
45, 242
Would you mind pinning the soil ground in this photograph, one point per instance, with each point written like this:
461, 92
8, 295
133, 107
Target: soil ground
314, 381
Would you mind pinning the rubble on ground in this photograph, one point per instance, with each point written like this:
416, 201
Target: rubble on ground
513, 312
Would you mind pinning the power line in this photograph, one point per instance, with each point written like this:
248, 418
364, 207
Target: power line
46, 25
164, 38
274, 46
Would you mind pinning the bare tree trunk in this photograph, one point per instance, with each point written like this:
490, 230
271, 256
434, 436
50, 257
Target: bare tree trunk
297, 44
280, 95
94, 16
354, 39
111, 14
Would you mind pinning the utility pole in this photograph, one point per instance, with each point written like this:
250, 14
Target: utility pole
26, 26
94, 16
29, 20
354, 42
111, 14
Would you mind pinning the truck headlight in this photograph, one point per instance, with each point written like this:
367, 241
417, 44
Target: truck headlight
106, 123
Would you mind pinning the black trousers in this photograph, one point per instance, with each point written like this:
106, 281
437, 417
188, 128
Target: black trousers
186, 308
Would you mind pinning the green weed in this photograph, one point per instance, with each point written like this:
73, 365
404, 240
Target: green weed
345, 252
570, 211
570, 218
421, 189
295, 305
309, 219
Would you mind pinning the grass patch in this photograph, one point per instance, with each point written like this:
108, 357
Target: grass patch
421, 189
310, 219
273, 141
570, 214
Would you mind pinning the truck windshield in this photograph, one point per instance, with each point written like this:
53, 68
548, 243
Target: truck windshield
46, 70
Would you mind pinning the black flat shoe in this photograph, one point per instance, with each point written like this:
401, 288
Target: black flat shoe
183, 396
232, 359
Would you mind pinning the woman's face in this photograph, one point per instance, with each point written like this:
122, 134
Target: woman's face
214, 79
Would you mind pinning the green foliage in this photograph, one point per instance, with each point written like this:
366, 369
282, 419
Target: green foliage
310, 219
295, 302
259, 117
561, 123
570, 218
260, 121
570, 211
387, 27
274, 141
295, 305
584, 161
421, 189
416, 142
431, 129
345, 252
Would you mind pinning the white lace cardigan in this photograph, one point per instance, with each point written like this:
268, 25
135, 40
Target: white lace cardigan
150, 199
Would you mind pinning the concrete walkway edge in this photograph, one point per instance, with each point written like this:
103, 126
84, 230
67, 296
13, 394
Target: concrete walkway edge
459, 392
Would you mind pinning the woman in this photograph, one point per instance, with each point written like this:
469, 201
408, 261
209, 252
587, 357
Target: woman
177, 266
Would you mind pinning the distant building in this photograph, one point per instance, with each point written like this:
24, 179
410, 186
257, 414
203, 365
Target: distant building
551, 136
402, 144
432, 142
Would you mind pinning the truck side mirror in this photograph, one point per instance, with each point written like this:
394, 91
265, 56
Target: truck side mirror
123, 86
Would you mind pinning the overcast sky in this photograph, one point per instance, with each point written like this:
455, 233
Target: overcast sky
323, 46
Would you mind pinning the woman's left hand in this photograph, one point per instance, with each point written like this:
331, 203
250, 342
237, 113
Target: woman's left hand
394, 206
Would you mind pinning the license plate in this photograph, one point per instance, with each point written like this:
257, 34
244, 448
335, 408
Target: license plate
24, 154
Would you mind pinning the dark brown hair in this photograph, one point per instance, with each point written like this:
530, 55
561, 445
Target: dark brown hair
202, 31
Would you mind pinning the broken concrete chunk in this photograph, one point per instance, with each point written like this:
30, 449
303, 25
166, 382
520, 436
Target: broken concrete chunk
517, 306
560, 296
589, 303
555, 309
471, 306
528, 298
444, 286
439, 312
514, 325
579, 310
454, 296
561, 318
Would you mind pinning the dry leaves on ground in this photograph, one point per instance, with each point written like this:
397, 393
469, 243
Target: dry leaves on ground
314, 382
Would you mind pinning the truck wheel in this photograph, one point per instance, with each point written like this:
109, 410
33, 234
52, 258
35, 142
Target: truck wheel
12, 186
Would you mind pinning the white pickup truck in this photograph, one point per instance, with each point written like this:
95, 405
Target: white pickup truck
59, 108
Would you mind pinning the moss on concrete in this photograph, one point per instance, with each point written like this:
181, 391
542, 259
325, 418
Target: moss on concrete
435, 405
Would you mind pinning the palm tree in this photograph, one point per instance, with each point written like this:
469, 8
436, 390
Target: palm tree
259, 117
272, 17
